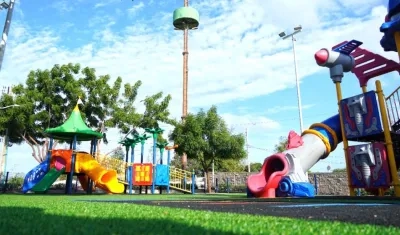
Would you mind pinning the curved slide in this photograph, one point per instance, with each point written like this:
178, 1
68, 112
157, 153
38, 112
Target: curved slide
302, 153
86, 164
40, 178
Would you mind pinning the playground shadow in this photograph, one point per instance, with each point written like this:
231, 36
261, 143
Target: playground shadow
21, 220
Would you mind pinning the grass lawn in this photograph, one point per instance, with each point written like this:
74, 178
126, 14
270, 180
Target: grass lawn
53, 214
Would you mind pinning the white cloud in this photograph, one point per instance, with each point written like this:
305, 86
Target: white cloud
238, 122
235, 55
135, 9
278, 109
63, 6
103, 3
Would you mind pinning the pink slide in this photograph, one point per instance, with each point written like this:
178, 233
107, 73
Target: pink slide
266, 181
275, 167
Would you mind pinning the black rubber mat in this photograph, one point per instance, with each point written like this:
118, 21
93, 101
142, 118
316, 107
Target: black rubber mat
352, 212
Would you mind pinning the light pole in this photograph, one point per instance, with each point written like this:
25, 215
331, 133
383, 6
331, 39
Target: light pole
284, 35
10, 8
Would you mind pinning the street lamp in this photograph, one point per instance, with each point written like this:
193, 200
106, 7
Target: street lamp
284, 35
10, 8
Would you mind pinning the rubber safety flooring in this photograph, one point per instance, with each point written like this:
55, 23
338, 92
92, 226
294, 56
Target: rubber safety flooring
387, 214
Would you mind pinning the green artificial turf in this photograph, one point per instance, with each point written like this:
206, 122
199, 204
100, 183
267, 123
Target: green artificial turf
34, 214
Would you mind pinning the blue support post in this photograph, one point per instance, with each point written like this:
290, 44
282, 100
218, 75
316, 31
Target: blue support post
153, 185
316, 184
126, 170
94, 155
71, 173
193, 181
142, 151
141, 158
48, 154
168, 162
161, 155
131, 168
94, 147
126, 161
92, 151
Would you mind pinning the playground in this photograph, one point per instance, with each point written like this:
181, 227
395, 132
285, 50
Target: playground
105, 173
133, 196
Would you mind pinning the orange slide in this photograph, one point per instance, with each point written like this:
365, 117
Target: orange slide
105, 179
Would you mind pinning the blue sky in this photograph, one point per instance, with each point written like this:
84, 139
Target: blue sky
237, 61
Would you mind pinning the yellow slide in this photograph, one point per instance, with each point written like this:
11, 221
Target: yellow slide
103, 178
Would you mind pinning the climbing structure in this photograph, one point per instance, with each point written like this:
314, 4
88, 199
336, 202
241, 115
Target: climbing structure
371, 118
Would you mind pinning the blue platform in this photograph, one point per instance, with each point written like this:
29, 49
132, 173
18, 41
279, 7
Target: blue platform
361, 115
162, 175
287, 188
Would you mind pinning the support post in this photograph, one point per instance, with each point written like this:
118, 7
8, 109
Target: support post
5, 186
388, 138
193, 182
153, 184
131, 168
141, 160
94, 147
344, 138
71, 173
168, 163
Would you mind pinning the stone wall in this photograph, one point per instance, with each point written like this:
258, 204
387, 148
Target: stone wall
326, 183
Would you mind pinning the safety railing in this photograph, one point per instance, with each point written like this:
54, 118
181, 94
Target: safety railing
180, 180
393, 109
111, 163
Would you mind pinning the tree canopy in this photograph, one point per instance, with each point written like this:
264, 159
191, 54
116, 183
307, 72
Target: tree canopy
205, 137
281, 145
48, 96
255, 167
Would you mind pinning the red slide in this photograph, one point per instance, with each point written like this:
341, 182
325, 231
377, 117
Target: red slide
275, 167
265, 183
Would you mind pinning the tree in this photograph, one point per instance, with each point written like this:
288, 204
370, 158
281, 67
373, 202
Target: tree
192, 164
255, 167
281, 145
119, 154
205, 137
228, 165
48, 97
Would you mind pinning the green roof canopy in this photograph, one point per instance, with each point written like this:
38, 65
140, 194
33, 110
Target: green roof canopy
73, 126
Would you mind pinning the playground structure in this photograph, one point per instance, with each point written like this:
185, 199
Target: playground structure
103, 172
152, 174
368, 117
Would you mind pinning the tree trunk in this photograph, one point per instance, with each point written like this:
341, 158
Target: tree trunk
97, 153
208, 181
39, 152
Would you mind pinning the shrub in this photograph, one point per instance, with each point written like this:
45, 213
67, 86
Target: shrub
15, 183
